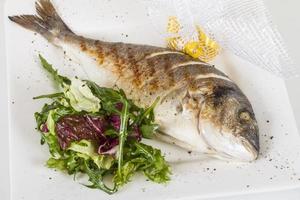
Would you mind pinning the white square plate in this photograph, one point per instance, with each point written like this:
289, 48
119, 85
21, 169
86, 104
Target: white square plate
278, 166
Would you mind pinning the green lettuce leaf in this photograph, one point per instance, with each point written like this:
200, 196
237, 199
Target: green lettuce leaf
41, 117
78, 161
81, 98
87, 150
70, 162
79, 94
53, 145
50, 137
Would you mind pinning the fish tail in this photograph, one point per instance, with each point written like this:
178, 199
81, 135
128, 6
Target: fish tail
47, 22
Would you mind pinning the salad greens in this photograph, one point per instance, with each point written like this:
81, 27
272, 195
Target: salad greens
97, 131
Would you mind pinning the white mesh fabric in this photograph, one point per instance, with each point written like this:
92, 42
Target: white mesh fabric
242, 26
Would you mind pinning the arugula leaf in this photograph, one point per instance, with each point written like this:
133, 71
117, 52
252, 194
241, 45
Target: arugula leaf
74, 162
105, 94
111, 132
122, 135
51, 96
142, 157
59, 111
61, 80
157, 168
127, 171
96, 178
62, 111
148, 114
42, 116
148, 130
110, 97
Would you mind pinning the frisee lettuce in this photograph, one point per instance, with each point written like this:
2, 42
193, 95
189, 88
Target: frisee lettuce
81, 97
142, 157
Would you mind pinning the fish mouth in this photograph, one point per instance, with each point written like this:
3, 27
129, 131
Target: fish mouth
252, 148
251, 139
247, 155
227, 146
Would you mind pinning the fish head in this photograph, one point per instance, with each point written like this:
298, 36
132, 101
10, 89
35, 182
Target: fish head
228, 125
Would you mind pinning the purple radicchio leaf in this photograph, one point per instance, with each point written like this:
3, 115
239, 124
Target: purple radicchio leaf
77, 127
115, 121
119, 106
136, 133
44, 128
109, 146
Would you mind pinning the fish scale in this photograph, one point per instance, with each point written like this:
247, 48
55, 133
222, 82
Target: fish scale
200, 108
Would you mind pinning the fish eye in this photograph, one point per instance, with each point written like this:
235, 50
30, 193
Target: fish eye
244, 115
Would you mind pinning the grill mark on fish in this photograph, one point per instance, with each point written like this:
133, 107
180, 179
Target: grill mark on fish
163, 53
114, 54
212, 75
182, 78
164, 62
187, 73
160, 65
157, 66
147, 69
123, 57
173, 61
128, 59
190, 63
83, 46
100, 55
91, 47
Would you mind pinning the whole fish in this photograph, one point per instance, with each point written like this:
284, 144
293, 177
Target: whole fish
200, 108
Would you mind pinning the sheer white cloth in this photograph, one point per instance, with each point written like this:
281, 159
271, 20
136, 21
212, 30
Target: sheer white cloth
243, 27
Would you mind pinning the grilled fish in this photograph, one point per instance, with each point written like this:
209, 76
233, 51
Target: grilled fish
200, 108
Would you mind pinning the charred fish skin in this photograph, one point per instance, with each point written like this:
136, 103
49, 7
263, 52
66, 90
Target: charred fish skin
200, 106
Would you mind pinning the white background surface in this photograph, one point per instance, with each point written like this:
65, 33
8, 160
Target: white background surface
285, 14
4, 173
